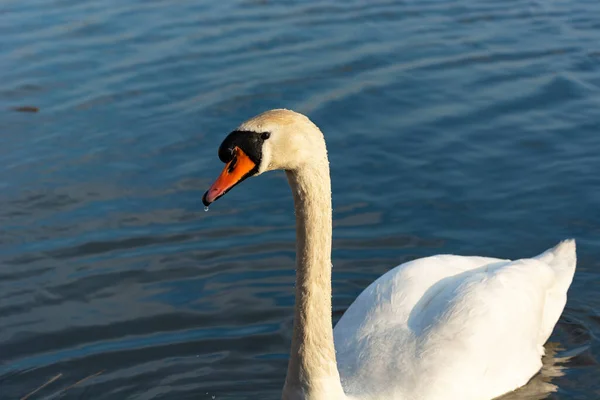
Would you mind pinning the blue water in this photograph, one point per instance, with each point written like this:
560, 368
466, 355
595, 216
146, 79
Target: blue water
467, 127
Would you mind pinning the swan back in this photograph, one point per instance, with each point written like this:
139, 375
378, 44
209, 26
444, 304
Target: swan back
449, 326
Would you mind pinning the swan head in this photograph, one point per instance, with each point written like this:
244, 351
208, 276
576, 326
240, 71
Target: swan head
276, 139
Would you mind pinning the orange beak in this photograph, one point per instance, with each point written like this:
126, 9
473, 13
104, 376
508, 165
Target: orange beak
239, 168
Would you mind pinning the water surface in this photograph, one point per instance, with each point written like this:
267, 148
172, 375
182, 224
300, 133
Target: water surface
466, 127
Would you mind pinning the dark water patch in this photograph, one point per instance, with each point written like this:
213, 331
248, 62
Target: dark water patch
25, 109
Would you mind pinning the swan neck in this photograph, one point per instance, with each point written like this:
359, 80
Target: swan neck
312, 370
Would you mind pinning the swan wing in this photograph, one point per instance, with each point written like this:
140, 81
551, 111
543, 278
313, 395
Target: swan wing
453, 327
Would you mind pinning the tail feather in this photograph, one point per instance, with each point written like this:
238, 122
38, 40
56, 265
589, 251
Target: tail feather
562, 259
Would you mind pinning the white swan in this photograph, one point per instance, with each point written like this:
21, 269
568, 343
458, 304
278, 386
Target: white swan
444, 327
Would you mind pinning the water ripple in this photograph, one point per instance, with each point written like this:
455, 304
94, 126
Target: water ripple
452, 127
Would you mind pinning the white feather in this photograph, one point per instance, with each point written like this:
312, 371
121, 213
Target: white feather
453, 327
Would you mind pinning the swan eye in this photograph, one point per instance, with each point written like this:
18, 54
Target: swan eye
265, 135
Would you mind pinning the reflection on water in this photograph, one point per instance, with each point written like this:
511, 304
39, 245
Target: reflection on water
540, 386
452, 127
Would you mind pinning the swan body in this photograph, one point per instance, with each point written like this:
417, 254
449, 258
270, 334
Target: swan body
452, 327
442, 327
